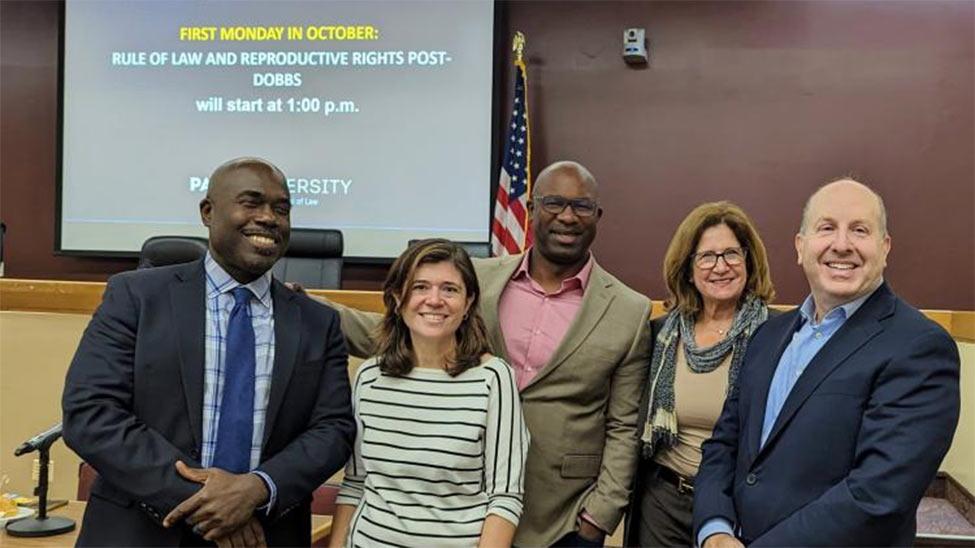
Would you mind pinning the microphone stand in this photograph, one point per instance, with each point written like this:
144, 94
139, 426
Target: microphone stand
42, 525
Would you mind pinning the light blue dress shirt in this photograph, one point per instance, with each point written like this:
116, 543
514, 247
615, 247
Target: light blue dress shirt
806, 342
219, 303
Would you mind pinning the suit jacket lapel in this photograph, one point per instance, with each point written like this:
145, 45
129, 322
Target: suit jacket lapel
188, 301
492, 284
756, 412
595, 303
287, 340
857, 330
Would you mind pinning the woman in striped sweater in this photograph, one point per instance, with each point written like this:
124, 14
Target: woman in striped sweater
441, 443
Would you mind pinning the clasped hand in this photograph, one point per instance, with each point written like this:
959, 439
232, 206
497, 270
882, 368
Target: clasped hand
722, 540
223, 510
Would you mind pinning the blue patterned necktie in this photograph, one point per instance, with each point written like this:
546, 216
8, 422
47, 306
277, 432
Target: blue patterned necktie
233, 450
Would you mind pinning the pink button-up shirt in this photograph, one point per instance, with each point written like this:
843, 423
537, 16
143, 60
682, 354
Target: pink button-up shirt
534, 322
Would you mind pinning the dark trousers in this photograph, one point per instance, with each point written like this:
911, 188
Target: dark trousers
575, 540
665, 514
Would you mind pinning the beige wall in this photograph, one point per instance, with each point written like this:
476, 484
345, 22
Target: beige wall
960, 461
36, 348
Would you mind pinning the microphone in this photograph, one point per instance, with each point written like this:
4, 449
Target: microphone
39, 442
42, 525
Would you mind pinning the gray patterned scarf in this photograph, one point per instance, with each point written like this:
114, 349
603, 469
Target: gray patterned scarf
661, 425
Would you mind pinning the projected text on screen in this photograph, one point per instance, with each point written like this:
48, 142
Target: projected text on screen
379, 113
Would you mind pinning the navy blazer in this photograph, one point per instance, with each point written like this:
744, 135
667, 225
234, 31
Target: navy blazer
133, 406
859, 438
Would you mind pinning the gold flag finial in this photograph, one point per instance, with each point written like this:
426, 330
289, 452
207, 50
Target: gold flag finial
518, 46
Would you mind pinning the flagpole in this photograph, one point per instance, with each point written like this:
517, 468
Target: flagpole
510, 228
518, 47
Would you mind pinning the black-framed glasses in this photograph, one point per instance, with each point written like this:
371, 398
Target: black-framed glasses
554, 204
733, 256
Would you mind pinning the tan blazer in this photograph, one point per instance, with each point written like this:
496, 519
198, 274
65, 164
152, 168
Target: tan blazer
581, 408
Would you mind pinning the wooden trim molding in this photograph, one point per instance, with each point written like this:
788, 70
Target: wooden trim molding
370, 301
50, 296
84, 297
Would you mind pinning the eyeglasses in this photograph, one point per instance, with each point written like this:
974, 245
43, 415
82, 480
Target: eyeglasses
733, 256
583, 207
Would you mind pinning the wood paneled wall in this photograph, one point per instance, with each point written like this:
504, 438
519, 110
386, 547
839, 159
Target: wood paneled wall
754, 101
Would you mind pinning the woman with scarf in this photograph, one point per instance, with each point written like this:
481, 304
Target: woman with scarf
719, 286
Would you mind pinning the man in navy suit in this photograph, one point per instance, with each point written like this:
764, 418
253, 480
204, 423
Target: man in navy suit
211, 400
845, 406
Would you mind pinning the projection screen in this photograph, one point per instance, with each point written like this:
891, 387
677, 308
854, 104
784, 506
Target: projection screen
379, 113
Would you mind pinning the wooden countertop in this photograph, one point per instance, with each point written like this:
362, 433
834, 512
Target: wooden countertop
83, 297
321, 526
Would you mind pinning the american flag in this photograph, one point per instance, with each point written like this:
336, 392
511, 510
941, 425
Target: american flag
510, 231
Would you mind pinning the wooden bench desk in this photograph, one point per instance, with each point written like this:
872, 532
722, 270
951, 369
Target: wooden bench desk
321, 526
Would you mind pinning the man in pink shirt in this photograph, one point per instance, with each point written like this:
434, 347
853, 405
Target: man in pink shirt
578, 341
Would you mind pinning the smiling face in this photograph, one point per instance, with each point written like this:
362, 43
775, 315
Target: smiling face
563, 238
248, 212
843, 246
435, 302
723, 283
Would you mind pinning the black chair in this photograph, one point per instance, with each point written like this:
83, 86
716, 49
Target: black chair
86, 478
166, 250
480, 250
3, 230
313, 259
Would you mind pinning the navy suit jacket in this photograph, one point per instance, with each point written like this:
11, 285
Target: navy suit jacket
133, 401
858, 440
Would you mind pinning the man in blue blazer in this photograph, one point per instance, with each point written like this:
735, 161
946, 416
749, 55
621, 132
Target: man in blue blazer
211, 400
845, 407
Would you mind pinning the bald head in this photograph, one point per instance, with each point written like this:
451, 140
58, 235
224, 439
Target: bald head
544, 179
248, 212
258, 166
845, 186
843, 243
564, 212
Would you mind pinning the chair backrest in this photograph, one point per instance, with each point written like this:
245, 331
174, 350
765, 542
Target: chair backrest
3, 230
323, 503
167, 250
313, 259
323, 499
480, 250
86, 477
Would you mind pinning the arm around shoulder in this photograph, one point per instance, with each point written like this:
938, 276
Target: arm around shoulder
358, 326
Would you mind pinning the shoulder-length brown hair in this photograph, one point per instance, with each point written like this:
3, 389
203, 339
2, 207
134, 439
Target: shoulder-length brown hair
394, 345
678, 265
